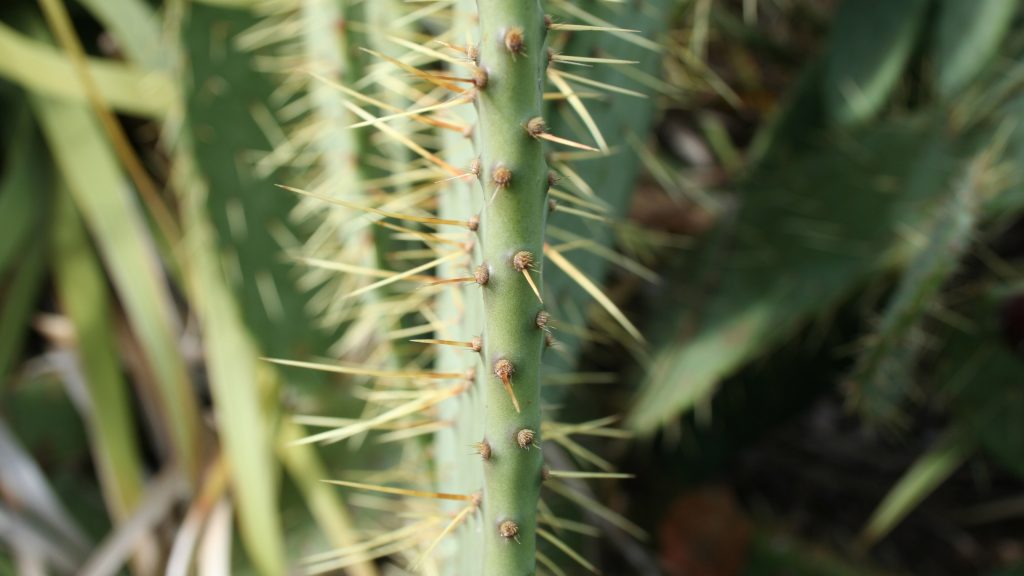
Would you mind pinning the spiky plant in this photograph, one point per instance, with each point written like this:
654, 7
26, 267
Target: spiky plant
478, 199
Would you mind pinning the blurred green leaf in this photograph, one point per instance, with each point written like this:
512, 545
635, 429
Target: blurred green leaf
982, 374
924, 476
24, 186
18, 303
811, 228
82, 289
885, 369
42, 69
137, 29
115, 223
870, 44
967, 36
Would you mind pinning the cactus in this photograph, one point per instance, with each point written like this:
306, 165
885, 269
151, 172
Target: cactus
485, 239
513, 57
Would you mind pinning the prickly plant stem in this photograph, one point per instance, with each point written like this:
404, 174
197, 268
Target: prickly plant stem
514, 179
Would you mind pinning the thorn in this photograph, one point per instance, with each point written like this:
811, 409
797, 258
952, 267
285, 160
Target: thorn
590, 60
403, 491
554, 540
482, 275
471, 345
595, 292
509, 530
525, 438
587, 28
439, 81
523, 262
577, 474
501, 178
514, 42
414, 113
480, 78
543, 317
407, 217
537, 128
504, 369
361, 371
460, 280
447, 530
483, 448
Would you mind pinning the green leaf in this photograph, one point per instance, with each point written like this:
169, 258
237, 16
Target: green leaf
926, 474
40, 68
810, 230
981, 374
17, 304
114, 220
25, 179
885, 369
136, 27
84, 297
870, 44
967, 37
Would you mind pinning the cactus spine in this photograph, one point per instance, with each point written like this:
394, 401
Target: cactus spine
514, 178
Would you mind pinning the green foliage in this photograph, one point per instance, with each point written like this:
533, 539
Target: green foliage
238, 145
869, 47
885, 369
967, 36
808, 233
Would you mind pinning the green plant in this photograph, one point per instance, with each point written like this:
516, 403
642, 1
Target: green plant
487, 240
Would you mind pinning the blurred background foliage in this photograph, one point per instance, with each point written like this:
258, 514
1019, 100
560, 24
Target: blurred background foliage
817, 207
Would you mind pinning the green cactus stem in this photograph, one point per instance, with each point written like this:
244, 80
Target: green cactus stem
514, 178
